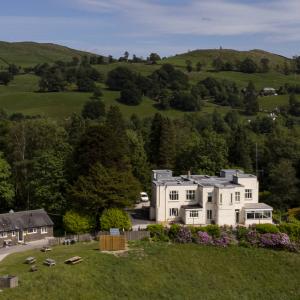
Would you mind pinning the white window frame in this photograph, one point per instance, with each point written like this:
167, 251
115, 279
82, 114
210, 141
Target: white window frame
209, 214
221, 199
237, 197
3, 235
44, 230
248, 194
190, 195
194, 214
231, 199
173, 212
13, 233
174, 195
34, 230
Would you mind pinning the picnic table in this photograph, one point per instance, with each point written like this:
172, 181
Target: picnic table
49, 262
74, 260
46, 249
30, 260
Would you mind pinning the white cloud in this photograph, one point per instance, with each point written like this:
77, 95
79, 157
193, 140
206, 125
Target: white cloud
279, 18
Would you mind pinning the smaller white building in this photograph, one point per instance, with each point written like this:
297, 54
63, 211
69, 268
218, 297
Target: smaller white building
228, 199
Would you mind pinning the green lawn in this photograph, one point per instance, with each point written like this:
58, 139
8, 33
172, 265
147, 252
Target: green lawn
157, 271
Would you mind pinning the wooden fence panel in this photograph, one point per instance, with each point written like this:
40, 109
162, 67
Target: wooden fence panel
112, 243
136, 235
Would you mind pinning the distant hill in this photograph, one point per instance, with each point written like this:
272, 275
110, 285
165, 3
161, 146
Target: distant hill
207, 56
31, 53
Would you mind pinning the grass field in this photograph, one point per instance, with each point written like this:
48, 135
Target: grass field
157, 271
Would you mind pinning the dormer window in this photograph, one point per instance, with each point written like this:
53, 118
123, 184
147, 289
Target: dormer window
248, 194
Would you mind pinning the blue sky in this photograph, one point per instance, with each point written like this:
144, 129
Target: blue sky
164, 26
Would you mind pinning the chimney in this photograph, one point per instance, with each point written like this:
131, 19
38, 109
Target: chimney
189, 174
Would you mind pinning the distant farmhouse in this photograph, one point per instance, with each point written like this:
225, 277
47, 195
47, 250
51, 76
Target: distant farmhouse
228, 199
24, 226
268, 91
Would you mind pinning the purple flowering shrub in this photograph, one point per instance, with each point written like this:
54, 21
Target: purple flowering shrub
223, 241
203, 238
253, 238
184, 235
275, 240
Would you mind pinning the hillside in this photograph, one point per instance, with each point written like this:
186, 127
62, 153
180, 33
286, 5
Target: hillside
156, 271
206, 57
29, 53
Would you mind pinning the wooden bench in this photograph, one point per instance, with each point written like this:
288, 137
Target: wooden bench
30, 260
46, 249
73, 260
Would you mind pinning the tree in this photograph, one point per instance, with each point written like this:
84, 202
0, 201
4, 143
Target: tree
119, 78
104, 188
131, 95
189, 66
52, 81
186, 101
93, 109
283, 185
6, 188
126, 55
248, 66
199, 66
85, 84
154, 58
250, 100
97, 93
13, 69
294, 105
77, 223
5, 78
218, 64
264, 62
115, 218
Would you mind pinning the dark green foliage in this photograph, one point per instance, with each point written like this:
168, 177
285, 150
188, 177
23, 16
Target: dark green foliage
158, 232
248, 66
186, 101
119, 78
52, 81
115, 218
93, 109
13, 69
250, 100
294, 105
77, 223
154, 57
5, 78
264, 65
85, 84
266, 228
173, 231
292, 229
131, 95
241, 233
213, 230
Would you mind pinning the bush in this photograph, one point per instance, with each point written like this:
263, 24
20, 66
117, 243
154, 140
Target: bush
115, 218
173, 231
253, 237
213, 230
184, 235
241, 233
275, 240
266, 228
223, 241
293, 230
77, 223
157, 232
203, 238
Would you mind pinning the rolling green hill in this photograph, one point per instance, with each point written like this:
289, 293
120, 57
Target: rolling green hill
29, 53
21, 94
207, 56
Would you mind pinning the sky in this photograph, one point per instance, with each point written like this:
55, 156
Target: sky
167, 27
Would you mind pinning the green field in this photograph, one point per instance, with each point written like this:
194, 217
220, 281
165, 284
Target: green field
157, 271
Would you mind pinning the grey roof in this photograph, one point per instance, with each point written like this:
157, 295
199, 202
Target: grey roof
192, 206
24, 219
257, 206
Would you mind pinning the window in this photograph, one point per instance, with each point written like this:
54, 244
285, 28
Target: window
3, 234
231, 199
250, 215
43, 230
209, 197
237, 196
173, 212
194, 214
221, 199
248, 194
266, 215
258, 215
31, 230
209, 214
190, 195
13, 233
173, 195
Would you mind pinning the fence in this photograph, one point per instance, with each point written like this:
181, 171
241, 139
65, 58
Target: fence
112, 243
129, 235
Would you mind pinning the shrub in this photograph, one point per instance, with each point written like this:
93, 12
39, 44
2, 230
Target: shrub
203, 238
213, 230
292, 229
223, 241
157, 232
173, 231
184, 235
115, 218
275, 240
241, 232
77, 223
266, 228
253, 237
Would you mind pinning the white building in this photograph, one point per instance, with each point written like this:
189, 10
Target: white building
228, 199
